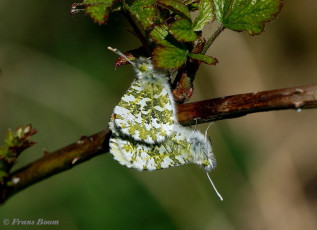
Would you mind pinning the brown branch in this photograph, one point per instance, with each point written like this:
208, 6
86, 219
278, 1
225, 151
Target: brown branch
298, 98
203, 111
56, 162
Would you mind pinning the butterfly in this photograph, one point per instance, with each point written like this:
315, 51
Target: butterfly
183, 146
146, 112
145, 131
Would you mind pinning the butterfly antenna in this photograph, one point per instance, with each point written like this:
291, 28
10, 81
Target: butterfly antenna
212, 184
207, 131
120, 54
209, 140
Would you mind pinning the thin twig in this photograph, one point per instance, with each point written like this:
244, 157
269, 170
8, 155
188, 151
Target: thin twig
212, 39
137, 31
197, 112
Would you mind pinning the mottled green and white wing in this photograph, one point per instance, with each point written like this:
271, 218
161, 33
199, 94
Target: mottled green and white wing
116, 151
149, 157
146, 112
182, 147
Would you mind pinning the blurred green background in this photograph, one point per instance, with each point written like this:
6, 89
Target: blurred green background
57, 74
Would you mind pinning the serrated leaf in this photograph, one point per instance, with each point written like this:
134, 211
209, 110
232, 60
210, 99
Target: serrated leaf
205, 15
204, 58
182, 30
145, 12
241, 15
169, 57
159, 35
176, 7
98, 10
171, 53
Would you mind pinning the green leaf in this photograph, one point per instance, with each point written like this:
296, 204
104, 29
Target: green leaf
159, 35
98, 10
9, 139
192, 5
189, 2
171, 53
204, 58
145, 12
205, 15
176, 7
169, 57
242, 15
182, 30
15, 143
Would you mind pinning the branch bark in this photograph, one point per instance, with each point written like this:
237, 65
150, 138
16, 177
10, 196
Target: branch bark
197, 112
304, 97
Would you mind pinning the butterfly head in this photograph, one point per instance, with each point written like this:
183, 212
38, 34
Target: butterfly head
203, 152
145, 71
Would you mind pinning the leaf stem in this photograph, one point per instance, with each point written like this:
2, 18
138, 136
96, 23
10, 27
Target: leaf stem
212, 39
137, 31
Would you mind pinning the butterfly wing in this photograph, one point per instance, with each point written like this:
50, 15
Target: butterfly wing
146, 112
172, 152
116, 152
